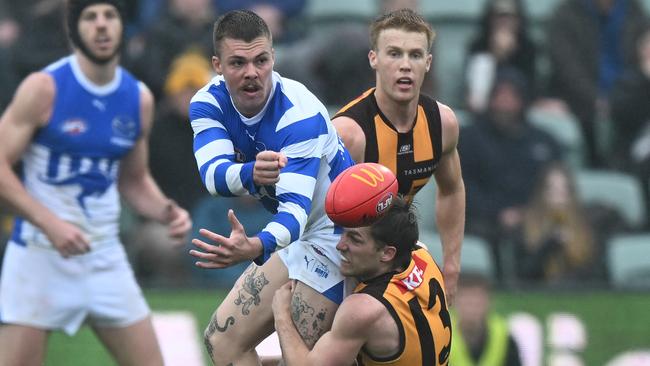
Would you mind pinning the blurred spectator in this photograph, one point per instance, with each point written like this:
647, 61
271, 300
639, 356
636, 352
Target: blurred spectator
41, 35
480, 336
589, 43
186, 25
278, 14
631, 115
502, 41
501, 156
334, 77
556, 242
211, 213
171, 152
340, 76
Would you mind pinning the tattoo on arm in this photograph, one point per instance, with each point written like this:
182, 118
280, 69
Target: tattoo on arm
308, 321
249, 294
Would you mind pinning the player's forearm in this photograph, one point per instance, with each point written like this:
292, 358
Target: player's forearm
14, 194
225, 178
294, 350
145, 197
450, 219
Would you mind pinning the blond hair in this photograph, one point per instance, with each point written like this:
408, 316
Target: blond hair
405, 19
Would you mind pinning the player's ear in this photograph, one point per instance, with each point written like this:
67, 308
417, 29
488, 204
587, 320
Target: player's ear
372, 59
429, 59
216, 65
389, 253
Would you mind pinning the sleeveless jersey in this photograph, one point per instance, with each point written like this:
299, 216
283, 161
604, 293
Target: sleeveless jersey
415, 299
413, 155
72, 163
293, 122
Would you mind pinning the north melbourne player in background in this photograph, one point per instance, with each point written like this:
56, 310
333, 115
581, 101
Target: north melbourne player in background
80, 127
247, 111
397, 315
410, 133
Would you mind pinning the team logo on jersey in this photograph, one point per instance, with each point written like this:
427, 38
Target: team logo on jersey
405, 149
124, 131
74, 127
314, 265
92, 183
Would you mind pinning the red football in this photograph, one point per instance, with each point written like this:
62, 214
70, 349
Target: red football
360, 195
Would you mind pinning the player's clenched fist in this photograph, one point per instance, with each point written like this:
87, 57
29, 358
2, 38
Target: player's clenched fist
266, 170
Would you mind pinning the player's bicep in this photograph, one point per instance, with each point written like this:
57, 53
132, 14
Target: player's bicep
352, 136
29, 110
448, 173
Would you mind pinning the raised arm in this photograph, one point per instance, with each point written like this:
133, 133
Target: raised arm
450, 202
30, 110
138, 187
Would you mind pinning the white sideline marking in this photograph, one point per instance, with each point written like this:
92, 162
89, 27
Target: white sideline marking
177, 334
270, 347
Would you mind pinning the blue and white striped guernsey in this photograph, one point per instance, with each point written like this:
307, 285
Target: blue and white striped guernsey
72, 164
293, 122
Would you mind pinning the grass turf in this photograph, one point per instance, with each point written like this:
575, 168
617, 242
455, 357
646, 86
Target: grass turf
615, 322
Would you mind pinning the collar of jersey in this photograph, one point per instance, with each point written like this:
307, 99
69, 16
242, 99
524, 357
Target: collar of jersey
91, 87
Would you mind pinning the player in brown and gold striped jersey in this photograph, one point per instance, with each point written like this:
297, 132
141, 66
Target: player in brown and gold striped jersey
397, 315
412, 134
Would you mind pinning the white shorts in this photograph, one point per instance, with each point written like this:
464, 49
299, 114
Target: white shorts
41, 289
309, 265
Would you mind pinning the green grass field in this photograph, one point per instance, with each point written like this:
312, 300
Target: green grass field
615, 322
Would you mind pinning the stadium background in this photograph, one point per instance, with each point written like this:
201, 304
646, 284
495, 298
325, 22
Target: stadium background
614, 314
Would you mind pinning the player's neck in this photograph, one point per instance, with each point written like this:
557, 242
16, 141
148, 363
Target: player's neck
401, 115
98, 74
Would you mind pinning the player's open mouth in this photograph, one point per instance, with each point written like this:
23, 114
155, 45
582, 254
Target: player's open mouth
343, 259
103, 42
404, 81
251, 88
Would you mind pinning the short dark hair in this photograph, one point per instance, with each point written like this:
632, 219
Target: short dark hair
243, 25
398, 227
405, 19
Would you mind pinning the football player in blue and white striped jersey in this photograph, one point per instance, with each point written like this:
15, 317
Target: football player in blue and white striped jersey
248, 109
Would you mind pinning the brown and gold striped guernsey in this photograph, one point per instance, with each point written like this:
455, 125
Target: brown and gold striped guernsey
412, 156
416, 300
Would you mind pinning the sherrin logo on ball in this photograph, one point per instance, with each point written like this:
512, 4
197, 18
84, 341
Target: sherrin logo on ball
360, 195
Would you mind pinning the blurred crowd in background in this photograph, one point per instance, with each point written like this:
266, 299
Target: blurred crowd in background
553, 104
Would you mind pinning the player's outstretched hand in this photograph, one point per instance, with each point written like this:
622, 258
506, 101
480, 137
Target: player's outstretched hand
226, 251
178, 222
266, 170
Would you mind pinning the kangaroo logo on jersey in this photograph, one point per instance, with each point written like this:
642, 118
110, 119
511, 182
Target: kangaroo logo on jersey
74, 127
371, 178
93, 183
124, 131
